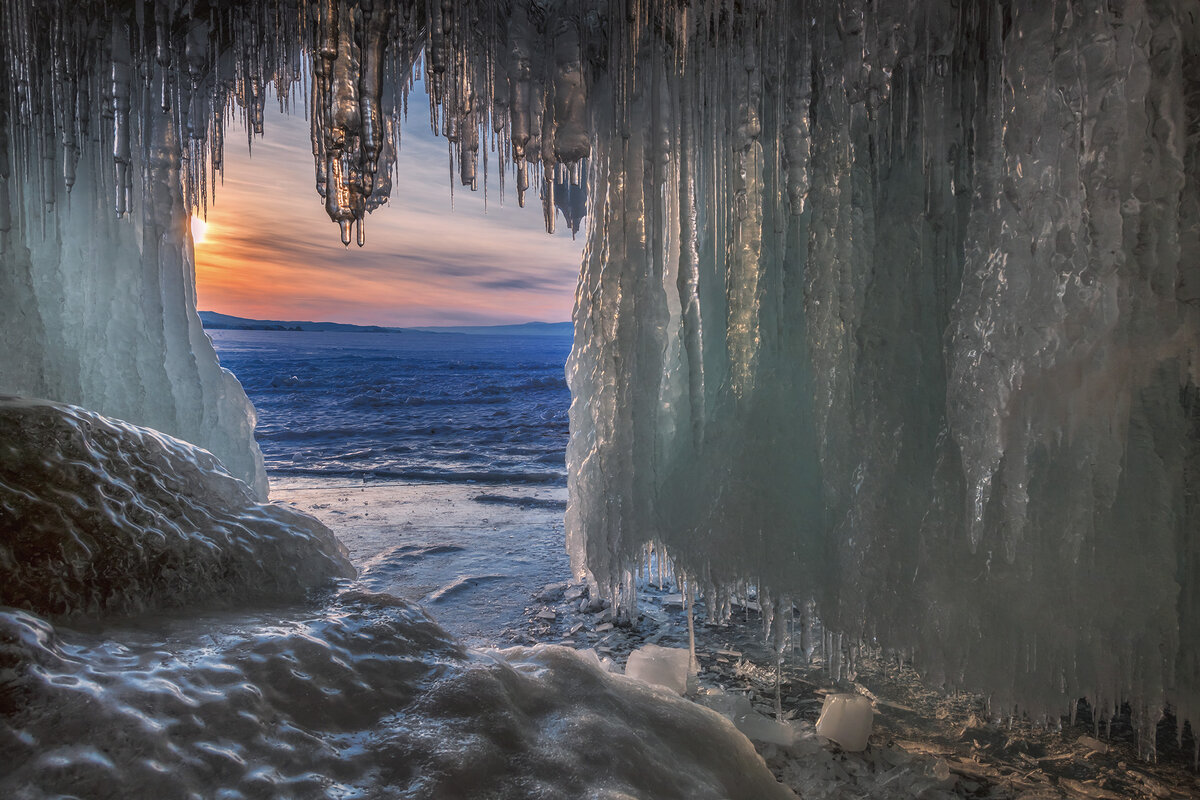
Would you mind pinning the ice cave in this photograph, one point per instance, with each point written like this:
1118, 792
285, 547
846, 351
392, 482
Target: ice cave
890, 310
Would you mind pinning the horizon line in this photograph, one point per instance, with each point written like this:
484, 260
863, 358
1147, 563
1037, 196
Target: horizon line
378, 325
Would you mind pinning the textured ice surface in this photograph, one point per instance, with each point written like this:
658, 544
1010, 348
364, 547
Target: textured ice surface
97, 515
756, 726
364, 698
894, 306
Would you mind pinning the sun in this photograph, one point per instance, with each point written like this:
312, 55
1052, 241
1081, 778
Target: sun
199, 227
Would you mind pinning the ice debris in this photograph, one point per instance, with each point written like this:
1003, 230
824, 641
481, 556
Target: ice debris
756, 726
847, 720
669, 667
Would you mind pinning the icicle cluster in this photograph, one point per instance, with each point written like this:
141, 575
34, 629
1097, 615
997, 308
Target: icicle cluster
891, 307
896, 307
112, 114
95, 77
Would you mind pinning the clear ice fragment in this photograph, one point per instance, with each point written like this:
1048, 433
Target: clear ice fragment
846, 719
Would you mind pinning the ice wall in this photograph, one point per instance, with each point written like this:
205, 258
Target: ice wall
101, 312
897, 306
890, 306
97, 290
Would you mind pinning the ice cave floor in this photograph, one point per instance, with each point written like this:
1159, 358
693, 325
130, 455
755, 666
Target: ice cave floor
163, 634
488, 564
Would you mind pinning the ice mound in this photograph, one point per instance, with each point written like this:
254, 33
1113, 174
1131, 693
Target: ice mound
364, 698
97, 515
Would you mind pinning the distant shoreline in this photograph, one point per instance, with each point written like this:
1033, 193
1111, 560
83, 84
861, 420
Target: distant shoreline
224, 322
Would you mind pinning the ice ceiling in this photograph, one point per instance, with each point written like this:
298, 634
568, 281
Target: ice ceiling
894, 306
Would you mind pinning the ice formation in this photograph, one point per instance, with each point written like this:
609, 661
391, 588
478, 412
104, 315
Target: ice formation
99, 516
893, 306
846, 719
365, 698
897, 307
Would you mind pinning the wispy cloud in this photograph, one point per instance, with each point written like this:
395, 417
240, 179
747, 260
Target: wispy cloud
270, 250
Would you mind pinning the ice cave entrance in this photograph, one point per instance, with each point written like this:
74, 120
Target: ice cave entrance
890, 313
433, 446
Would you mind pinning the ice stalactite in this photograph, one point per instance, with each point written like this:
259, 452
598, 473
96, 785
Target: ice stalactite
890, 307
925, 348
113, 128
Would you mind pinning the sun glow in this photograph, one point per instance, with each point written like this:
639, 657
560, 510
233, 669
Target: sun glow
199, 227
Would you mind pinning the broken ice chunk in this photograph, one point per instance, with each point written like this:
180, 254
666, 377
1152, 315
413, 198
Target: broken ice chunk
668, 667
1094, 745
755, 726
846, 719
672, 601
606, 663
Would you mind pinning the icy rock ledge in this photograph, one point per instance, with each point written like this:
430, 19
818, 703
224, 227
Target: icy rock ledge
100, 516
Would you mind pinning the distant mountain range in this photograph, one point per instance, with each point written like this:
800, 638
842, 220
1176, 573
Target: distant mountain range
524, 329
215, 321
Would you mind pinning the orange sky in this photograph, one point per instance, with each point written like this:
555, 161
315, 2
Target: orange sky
270, 252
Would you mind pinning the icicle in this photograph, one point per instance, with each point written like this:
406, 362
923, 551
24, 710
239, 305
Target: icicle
122, 154
689, 600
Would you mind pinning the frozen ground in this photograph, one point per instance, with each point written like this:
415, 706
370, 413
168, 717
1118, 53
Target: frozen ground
488, 563
163, 634
471, 555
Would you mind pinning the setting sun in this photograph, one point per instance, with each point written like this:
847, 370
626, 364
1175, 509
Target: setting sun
199, 226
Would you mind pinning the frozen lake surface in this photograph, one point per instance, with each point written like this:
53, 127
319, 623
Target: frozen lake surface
442, 407
438, 459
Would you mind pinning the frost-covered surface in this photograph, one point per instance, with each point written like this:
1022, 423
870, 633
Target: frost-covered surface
99, 516
892, 306
364, 698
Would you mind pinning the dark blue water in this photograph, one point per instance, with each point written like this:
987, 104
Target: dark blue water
421, 406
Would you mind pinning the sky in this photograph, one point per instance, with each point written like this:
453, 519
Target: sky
269, 251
